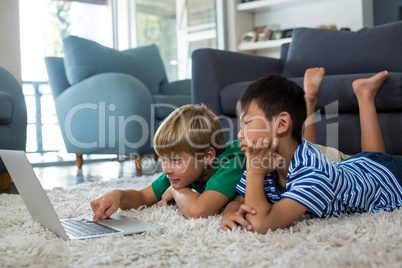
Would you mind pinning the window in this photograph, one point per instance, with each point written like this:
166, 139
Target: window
44, 24
156, 23
177, 27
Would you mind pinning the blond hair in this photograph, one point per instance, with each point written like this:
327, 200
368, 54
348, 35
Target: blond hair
190, 129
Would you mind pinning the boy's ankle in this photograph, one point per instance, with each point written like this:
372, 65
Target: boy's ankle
311, 101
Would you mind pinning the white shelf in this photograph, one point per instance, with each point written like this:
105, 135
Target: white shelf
263, 5
263, 44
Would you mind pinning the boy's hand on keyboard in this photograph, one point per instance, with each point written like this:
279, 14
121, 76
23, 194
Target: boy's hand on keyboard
105, 205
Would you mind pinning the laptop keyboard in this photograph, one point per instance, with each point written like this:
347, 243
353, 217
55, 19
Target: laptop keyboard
83, 227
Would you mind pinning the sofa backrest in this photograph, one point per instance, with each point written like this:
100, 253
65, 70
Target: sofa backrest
85, 58
284, 53
367, 50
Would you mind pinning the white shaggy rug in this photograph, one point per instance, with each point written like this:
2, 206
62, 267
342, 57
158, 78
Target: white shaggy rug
354, 241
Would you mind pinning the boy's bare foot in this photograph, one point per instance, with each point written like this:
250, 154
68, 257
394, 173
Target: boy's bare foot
312, 82
367, 88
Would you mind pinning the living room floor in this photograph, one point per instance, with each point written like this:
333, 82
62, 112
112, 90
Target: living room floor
69, 175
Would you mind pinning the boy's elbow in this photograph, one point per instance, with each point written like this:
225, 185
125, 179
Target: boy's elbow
262, 229
197, 212
261, 226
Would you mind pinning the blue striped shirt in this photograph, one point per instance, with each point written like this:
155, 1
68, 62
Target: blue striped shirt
327, 188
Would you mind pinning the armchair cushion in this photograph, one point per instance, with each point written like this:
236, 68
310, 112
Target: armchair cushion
340, 52
13, 114
166, 104
85, 111
85, 58
179, 87
6, 107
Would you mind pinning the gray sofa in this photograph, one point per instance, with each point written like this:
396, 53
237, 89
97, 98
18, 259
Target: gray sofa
219, 77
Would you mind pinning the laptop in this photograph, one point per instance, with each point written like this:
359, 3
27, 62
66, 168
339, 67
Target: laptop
42, 211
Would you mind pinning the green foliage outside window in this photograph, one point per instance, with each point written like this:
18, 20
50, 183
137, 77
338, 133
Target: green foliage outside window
58, 27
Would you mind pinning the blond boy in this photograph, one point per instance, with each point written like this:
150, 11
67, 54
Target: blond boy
200, 169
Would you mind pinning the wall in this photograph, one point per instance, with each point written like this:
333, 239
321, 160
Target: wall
353, 14
10, 55
342, 13
386, 11
237, 23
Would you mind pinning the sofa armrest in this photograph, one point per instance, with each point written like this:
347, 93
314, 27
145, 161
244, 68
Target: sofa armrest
179, 87
213, 69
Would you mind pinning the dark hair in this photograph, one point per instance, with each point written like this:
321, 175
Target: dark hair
274, 94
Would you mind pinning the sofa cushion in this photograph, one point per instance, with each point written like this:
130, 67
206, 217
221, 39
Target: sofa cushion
6, 107
179, 87
229, 96
166, 104
336, 92
84, 58
368, 50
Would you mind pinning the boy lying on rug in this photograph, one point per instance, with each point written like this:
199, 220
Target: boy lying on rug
293, 173
195, 157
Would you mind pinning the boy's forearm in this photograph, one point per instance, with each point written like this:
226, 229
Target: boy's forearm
129, 199
134, 199
186, 200
231, 208
195, 205
255, 198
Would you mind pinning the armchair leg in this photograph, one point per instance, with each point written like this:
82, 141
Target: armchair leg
5, 180
155, 157
79, 161
138, 162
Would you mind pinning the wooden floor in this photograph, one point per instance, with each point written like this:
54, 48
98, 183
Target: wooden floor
68, 175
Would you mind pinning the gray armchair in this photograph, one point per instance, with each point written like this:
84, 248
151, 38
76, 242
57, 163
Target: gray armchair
13, 120
109, 101
219, 78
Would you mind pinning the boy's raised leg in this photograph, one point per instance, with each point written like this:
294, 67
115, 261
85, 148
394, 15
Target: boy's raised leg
312, 81
365, 90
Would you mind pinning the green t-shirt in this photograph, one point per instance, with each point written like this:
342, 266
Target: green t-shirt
228, 169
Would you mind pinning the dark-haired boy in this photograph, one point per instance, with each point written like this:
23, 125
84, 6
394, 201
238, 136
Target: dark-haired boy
294, 174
